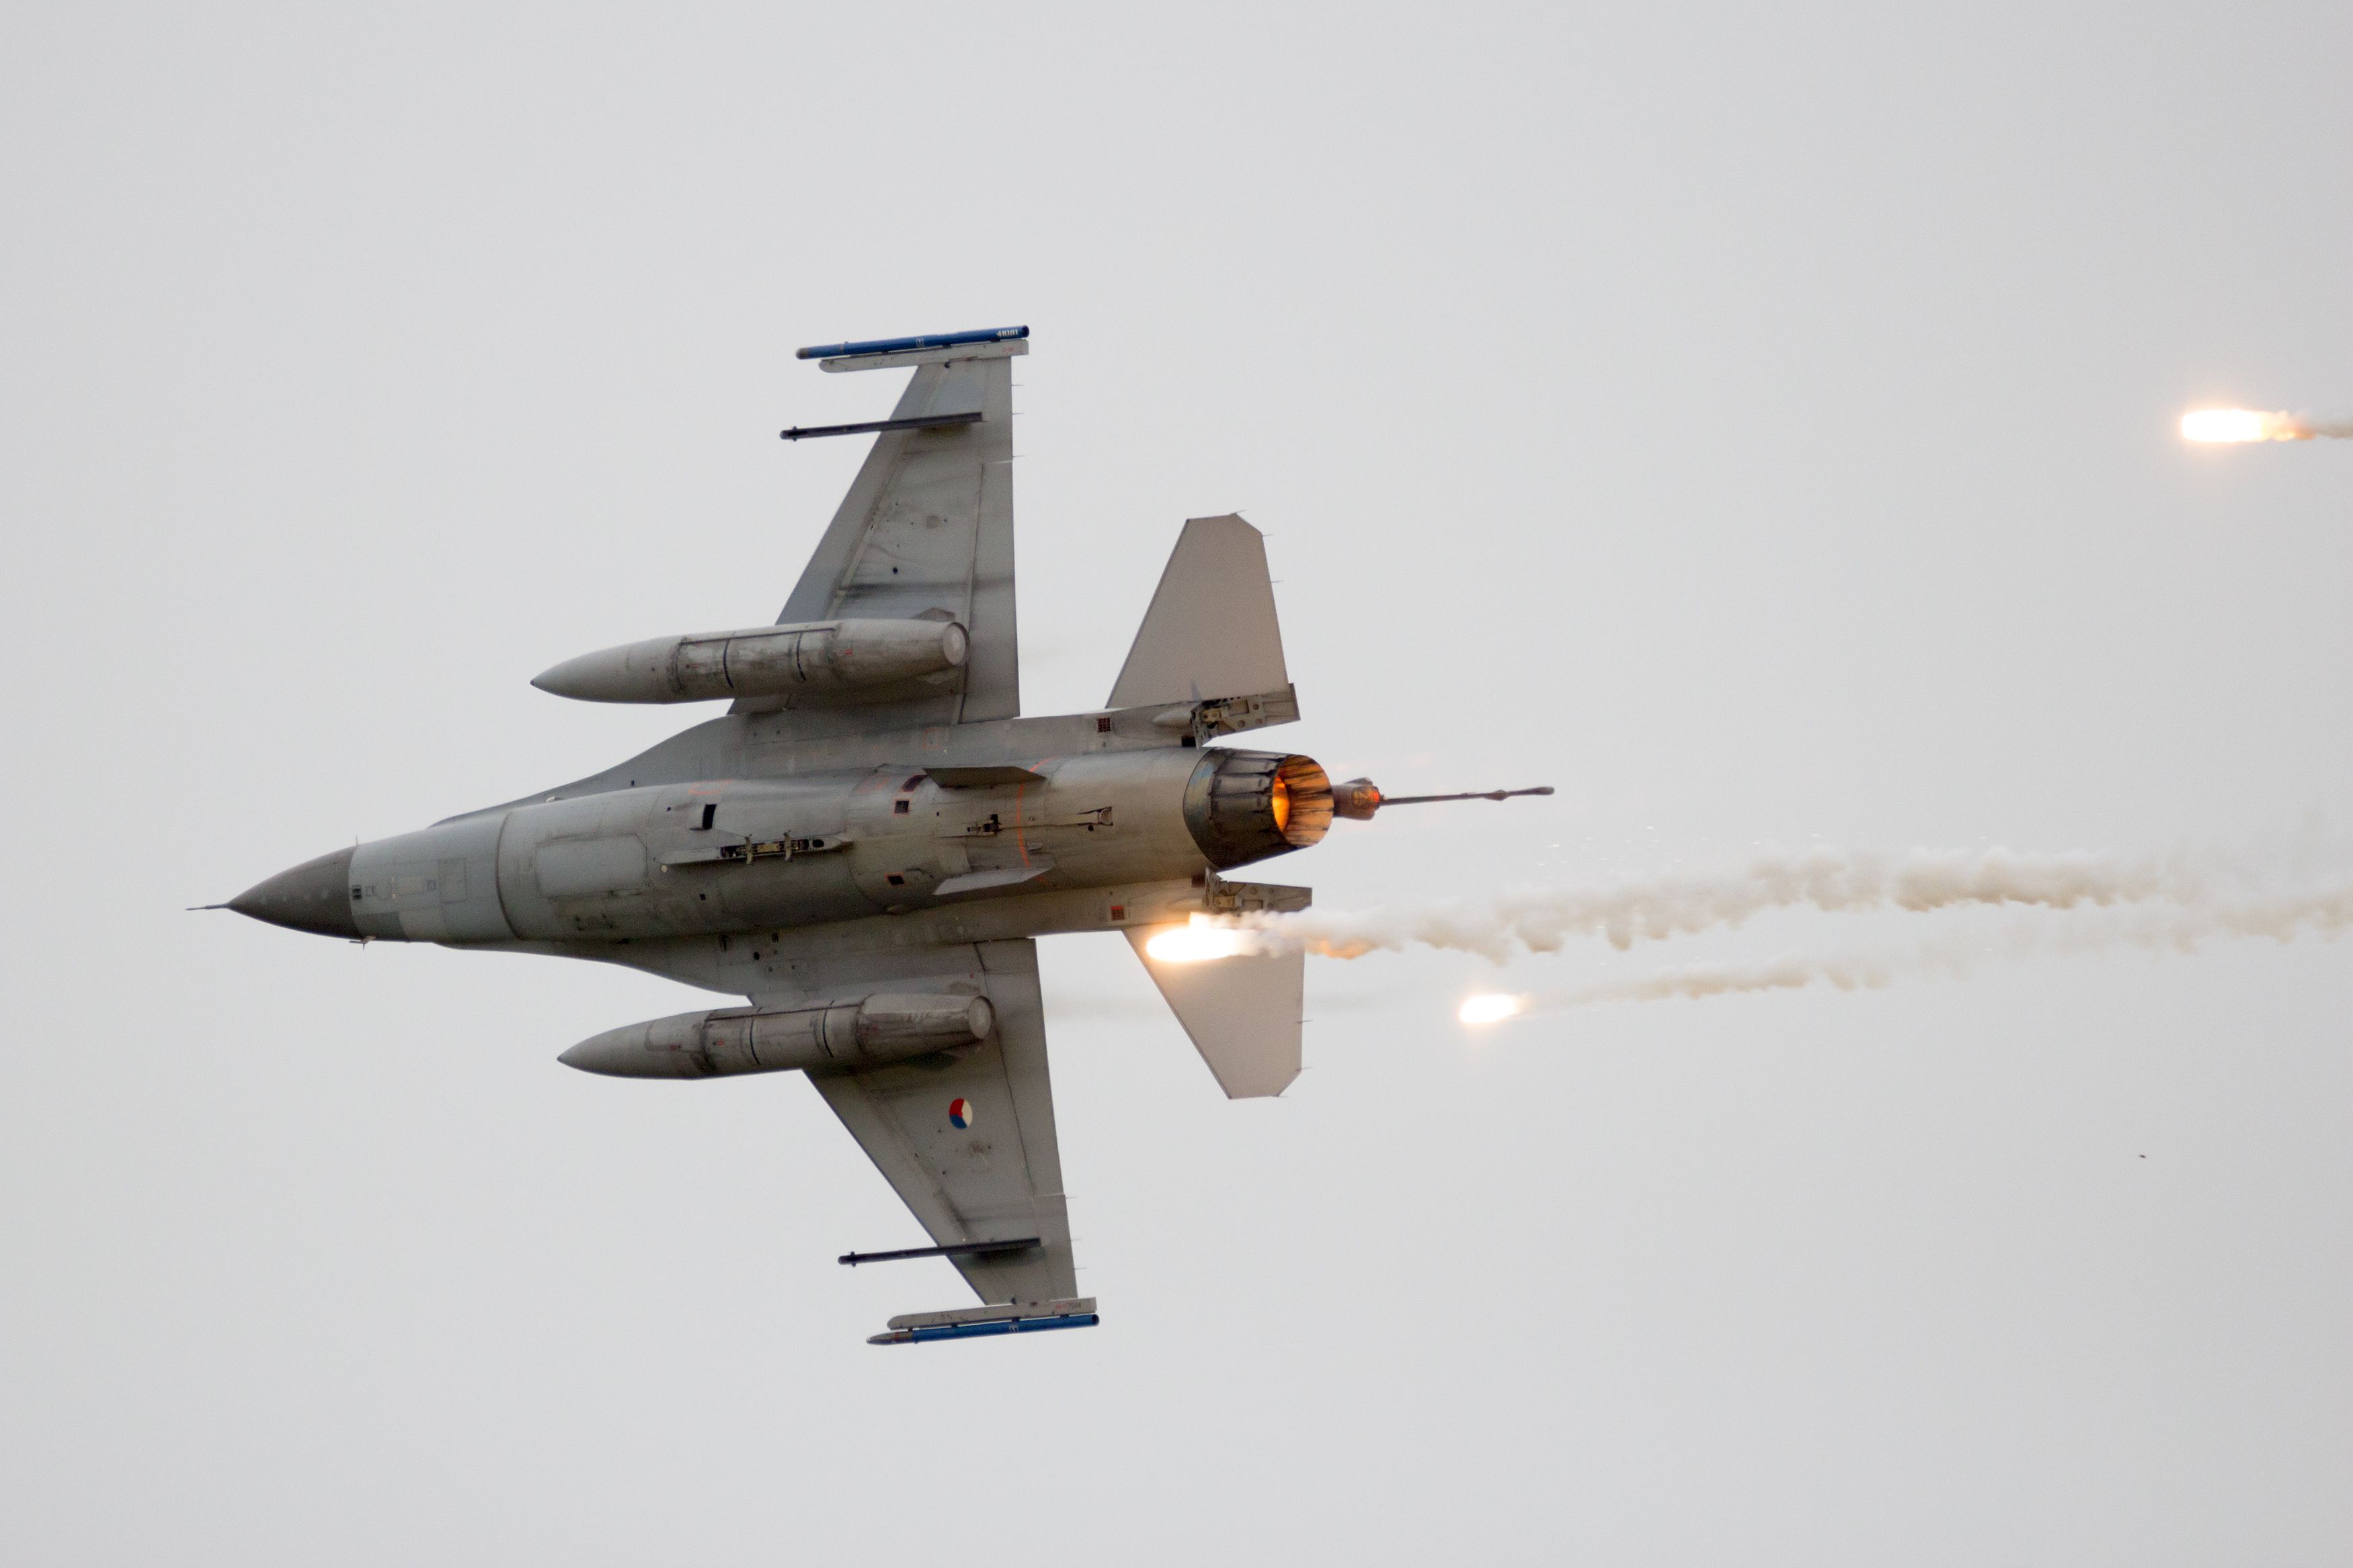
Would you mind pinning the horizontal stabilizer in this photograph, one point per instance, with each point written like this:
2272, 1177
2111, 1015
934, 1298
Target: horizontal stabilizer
1242, 1012
1211, 630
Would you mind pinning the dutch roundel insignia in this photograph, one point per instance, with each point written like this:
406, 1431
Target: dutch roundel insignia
960, 1113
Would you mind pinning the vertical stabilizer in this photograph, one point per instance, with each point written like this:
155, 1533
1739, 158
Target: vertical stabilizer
1211, 631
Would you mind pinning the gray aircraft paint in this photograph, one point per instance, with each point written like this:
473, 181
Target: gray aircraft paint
873, 824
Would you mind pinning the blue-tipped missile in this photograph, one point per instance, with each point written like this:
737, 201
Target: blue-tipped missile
981, 1330
897, 345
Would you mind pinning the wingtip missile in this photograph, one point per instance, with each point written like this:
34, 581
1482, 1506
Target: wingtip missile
909, 345
983, 1330
980, 1322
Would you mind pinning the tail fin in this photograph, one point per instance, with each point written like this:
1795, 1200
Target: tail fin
1242, 1012
1211, 631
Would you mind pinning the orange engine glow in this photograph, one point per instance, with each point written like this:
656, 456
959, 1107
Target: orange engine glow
1282, 803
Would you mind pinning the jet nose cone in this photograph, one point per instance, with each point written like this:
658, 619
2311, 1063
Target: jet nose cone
607, 1053
592, 677
663, 1048
315, 896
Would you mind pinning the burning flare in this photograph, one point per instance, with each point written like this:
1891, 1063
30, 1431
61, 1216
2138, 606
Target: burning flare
1491, 1007
2255, 424
1202, 941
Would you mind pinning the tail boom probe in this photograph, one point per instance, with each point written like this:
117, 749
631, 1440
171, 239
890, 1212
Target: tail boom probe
1468, 795
1359, 799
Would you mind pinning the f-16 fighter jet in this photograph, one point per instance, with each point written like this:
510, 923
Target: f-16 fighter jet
868, 844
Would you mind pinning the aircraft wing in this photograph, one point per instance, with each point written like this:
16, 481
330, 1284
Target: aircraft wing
926, 531
966, 1138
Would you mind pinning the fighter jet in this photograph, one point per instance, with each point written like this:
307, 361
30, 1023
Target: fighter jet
868, 844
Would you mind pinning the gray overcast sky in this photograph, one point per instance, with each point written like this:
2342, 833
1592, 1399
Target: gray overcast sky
1758, 425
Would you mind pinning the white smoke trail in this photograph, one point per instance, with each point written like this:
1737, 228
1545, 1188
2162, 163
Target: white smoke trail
1695, 981
1654, 909
2281, 916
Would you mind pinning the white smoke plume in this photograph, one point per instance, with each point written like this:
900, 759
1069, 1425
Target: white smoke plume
1654, 909
2281, 916
1789, 971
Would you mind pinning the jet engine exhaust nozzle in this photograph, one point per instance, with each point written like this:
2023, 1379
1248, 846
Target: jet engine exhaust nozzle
1241, 806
